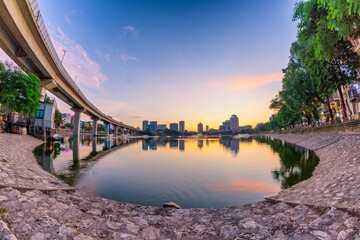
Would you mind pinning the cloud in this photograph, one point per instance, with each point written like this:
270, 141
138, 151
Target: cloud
126, 57
246, 82
111, 54
129, 30
77, 61
245, 185
137, 115
67, 19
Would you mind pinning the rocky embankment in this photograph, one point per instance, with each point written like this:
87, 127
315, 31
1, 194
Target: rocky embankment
36, 205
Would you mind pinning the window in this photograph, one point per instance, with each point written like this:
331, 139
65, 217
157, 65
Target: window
39, 114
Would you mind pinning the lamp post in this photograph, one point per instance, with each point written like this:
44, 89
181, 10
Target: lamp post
63, 55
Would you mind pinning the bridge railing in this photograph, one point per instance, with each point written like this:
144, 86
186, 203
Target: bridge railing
41, 24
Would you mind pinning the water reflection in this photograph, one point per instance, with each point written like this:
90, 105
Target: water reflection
297, 163
209, 172
77, 155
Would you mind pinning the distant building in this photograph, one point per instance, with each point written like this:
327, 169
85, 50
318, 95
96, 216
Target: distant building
182, 126
259, 125
145, 125
207, 128
226, 125
200, 128
174, 126
153, 125
66, 118
161, 127
234, 123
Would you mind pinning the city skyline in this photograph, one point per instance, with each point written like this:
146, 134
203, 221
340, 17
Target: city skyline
208, 68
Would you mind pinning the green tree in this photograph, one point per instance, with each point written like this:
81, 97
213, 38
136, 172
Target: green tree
19, 91
333, 52
57, 117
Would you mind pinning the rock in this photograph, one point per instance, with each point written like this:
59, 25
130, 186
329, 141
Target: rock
171, 205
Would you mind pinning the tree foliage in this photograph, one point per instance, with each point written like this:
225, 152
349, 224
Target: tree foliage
58, 117
19, 91
322, 60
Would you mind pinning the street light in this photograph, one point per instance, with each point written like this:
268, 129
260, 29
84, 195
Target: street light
63, 55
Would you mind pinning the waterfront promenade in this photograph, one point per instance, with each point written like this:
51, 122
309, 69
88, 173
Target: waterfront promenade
36, 205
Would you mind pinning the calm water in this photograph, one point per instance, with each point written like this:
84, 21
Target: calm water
191, 172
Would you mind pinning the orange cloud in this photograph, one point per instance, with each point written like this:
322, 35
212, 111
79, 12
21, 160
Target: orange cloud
246, 82
245, 185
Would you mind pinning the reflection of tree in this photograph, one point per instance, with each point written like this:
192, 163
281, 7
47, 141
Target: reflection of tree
297, 163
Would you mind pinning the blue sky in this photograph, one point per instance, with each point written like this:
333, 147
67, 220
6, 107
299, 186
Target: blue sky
175, 60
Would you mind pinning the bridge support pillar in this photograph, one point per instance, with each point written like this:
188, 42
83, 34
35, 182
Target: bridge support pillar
116, 130
76, 132
107, 125
77, 112
95, 125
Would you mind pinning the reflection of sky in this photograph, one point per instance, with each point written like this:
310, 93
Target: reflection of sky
210, 176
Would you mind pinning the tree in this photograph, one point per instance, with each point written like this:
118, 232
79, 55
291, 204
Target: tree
333, 52
19, 91
57, 117
325, 23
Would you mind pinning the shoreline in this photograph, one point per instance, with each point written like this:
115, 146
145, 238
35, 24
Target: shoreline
56, 212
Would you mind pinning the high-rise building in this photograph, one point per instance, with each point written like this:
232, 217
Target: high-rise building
182, 126
161, 127
234, 122
174, 126
207, 128
226, 125
200, 128
153, 125
145, 125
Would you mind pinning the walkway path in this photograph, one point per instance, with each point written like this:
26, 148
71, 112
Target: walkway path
18, 166
72, 214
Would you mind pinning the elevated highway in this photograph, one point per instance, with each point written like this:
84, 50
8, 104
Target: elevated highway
24, 38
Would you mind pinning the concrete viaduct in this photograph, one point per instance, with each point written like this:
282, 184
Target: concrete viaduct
24, 38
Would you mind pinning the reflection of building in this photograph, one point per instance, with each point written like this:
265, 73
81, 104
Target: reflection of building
182, 145
145, 146
234, 122
153, 125
231, 143
145, 125
161, 127
200, 144
200, 128
174, 144
182, 126
174, 126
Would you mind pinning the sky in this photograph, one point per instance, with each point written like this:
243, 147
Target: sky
167, 61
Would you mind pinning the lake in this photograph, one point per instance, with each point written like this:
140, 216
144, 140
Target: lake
209, 172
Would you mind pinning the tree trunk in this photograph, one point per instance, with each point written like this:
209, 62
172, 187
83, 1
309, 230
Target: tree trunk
342, 101
328, 103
